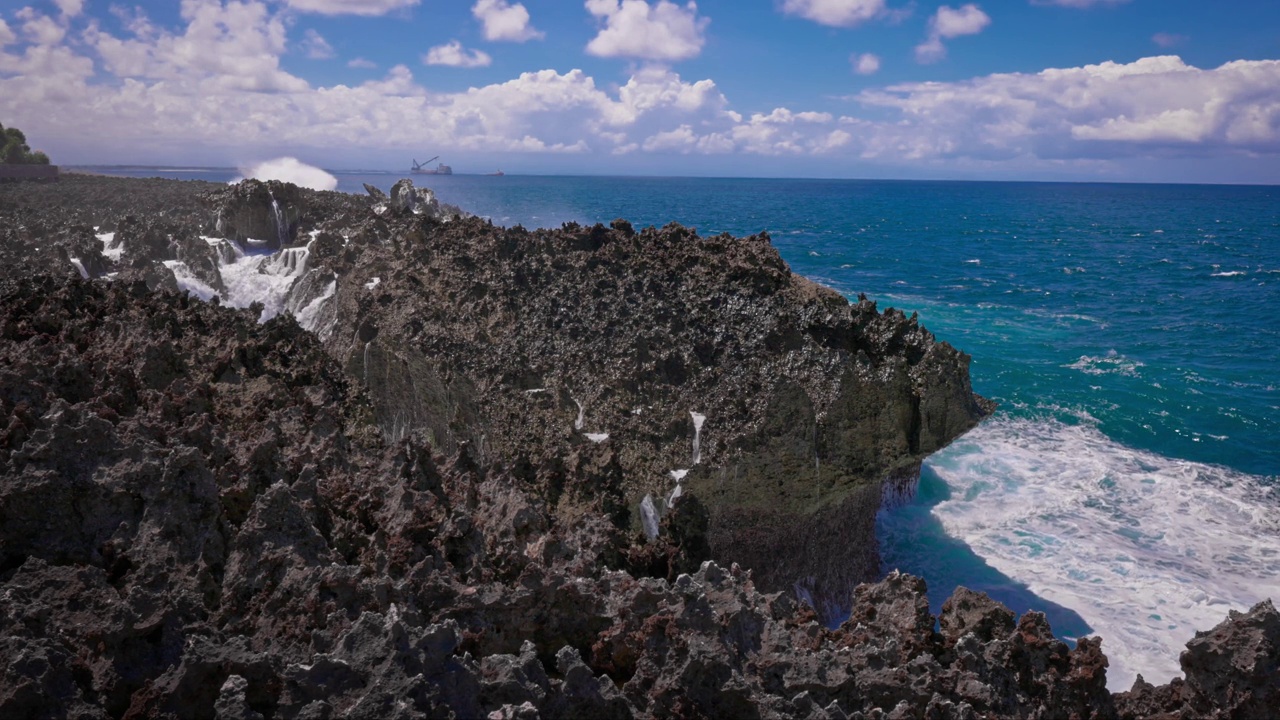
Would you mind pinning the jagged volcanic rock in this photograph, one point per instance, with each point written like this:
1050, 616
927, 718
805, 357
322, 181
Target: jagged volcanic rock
526, 345
205, 516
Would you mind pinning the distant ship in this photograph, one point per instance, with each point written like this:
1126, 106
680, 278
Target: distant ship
422, 169
497, 174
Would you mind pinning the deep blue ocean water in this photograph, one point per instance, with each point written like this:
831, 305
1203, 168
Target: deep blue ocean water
1130, 333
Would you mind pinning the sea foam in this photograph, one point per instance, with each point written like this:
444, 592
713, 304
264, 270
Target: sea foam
1145, 549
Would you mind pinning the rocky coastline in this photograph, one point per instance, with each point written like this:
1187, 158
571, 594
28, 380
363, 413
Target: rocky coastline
400, 462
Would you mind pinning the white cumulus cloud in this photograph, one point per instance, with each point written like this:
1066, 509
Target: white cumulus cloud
368, 8
837, 13
865, 64
502, 20
40, 29
232, 47
1156, 106
361, 63
947, 23
70, 8
664, 31
292, 170
452, 54
211, 89
6, 35
315, 46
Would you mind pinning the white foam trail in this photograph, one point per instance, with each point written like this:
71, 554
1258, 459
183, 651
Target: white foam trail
1147, 549
291, 170
597, 437
698, 419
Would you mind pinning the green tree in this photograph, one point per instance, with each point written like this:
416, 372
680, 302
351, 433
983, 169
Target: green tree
15, 151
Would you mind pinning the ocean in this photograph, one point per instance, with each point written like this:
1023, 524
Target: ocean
1129, 485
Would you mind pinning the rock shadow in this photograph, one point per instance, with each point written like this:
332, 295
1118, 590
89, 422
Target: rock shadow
914, 541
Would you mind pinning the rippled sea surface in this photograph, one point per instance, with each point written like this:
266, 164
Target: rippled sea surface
1130, 334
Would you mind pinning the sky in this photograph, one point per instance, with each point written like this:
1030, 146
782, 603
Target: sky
1088, 90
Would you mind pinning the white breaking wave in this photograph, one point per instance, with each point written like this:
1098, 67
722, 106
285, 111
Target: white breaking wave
1112, 363
1146, 549
291, 170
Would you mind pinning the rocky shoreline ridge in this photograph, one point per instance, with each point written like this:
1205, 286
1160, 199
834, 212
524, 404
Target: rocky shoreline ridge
406, 463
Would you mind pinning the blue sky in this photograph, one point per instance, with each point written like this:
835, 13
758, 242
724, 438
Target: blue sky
1160, 90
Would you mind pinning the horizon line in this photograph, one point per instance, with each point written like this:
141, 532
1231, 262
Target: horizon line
408, 174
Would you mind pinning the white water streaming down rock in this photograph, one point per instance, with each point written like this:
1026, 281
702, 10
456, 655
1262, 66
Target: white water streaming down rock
698, 419
675, 494
678, 475
80, 268
577, 424
108, 240
597, 437
188, 282
282, 232
291, 261
309, 317
365, 364
649, 517
1146, 549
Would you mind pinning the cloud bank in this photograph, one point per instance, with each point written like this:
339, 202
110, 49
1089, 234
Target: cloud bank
149, 93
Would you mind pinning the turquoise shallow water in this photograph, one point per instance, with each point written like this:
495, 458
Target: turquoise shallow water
1130, 333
